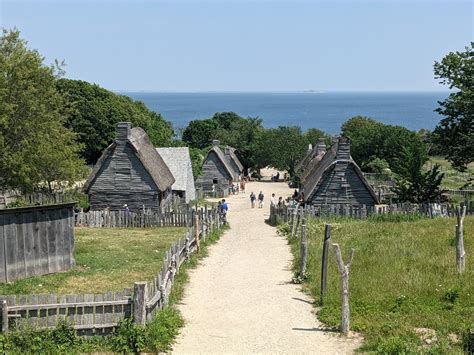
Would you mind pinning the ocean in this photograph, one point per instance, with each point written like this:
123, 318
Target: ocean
325, 111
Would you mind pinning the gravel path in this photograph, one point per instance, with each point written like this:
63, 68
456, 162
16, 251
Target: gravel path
240, 300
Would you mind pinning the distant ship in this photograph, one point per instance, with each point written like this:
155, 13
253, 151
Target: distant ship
314, 91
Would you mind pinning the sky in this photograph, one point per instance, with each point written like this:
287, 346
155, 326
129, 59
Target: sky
226, 45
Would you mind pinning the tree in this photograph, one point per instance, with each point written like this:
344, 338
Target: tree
455, 132
35, 147
282, 147
371, 139
200, 133
95, 111
413, 184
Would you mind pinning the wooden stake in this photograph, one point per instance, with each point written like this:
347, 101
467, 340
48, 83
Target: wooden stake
304, 250
4, 317
324, 266
460, 252
344, 271
196, 232
139, 302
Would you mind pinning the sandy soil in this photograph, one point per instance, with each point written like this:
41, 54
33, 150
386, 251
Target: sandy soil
241, 299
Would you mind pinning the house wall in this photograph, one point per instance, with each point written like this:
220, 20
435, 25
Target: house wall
341, 185
211, 169
123, 179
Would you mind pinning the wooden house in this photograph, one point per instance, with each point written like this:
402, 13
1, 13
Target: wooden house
130, 172
337, 180
217, 172
178, 161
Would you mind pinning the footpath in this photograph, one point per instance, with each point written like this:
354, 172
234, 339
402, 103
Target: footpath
241, 299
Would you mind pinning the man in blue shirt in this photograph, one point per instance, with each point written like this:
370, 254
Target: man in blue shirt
224, 209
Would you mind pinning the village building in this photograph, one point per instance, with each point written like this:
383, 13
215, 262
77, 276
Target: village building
218, 171
312, 156
178, 161
130, 174
336, 179
234, 161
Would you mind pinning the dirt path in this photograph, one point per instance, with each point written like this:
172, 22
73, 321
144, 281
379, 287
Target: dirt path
240, 299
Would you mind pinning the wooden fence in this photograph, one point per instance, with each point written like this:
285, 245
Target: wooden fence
428, 210
171, 217
101, 313
36, 241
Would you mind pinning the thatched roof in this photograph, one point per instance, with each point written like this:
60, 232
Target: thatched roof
222, 158
339, 152
145, 152
236, 160
317, 150
179, 163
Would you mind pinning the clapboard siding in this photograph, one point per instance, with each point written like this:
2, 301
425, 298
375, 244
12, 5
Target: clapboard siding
341, 185
36, 241
214, 169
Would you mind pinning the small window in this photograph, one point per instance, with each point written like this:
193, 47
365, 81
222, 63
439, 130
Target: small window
214, 181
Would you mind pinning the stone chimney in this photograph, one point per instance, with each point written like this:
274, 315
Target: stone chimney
216, 143
343, 148
123, 130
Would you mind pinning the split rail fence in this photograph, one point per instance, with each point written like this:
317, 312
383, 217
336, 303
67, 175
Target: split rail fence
100, 313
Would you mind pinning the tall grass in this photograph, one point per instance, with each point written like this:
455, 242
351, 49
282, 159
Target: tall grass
403, 277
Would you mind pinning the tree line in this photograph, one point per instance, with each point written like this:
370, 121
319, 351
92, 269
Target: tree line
51, 127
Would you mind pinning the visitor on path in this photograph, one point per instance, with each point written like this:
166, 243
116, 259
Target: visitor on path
281, 202
252, 199
224, 210
242, 186
272, 201
260, 199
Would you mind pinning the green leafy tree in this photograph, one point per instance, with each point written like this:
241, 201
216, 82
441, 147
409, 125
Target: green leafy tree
95, 111
36, 149
413, 183
313, 135
455, 133
200, 133
371, 139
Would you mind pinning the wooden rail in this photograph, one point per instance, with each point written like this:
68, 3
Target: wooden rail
100, 313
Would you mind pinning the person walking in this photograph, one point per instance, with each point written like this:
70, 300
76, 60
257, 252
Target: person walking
224, 209
252, 199
272, 201
260, 199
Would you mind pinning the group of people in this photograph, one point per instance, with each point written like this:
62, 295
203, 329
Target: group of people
253, 199
295, 199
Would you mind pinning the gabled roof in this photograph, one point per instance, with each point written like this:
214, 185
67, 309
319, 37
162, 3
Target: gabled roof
311, 166
235, 159
148, 156
222, 158
309, 156
179, 163
327, 162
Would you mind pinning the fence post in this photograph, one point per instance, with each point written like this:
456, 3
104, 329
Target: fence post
324, 266
460, 253
293, 221
304, 250
4, 317
344, 271
196, 232
139, 302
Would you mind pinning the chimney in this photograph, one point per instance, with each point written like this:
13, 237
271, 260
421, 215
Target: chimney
343, 148
321, 147
123, 130
227, 151
216, 143
310, 147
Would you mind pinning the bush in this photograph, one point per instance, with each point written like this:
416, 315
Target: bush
129, 337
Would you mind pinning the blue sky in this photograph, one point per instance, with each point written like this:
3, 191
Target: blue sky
246, 45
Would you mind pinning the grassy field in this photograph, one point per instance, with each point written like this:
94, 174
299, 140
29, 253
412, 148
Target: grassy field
403, 277
453, 179
107, 259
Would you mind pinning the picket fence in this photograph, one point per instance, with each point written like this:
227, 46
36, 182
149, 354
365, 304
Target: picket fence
430, 210
99, 314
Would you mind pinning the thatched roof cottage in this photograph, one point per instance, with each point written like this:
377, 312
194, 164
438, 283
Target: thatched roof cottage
234, 162
178, 161
336, 179
130, 172
217, 171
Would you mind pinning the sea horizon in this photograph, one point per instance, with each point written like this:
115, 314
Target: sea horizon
325, 110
